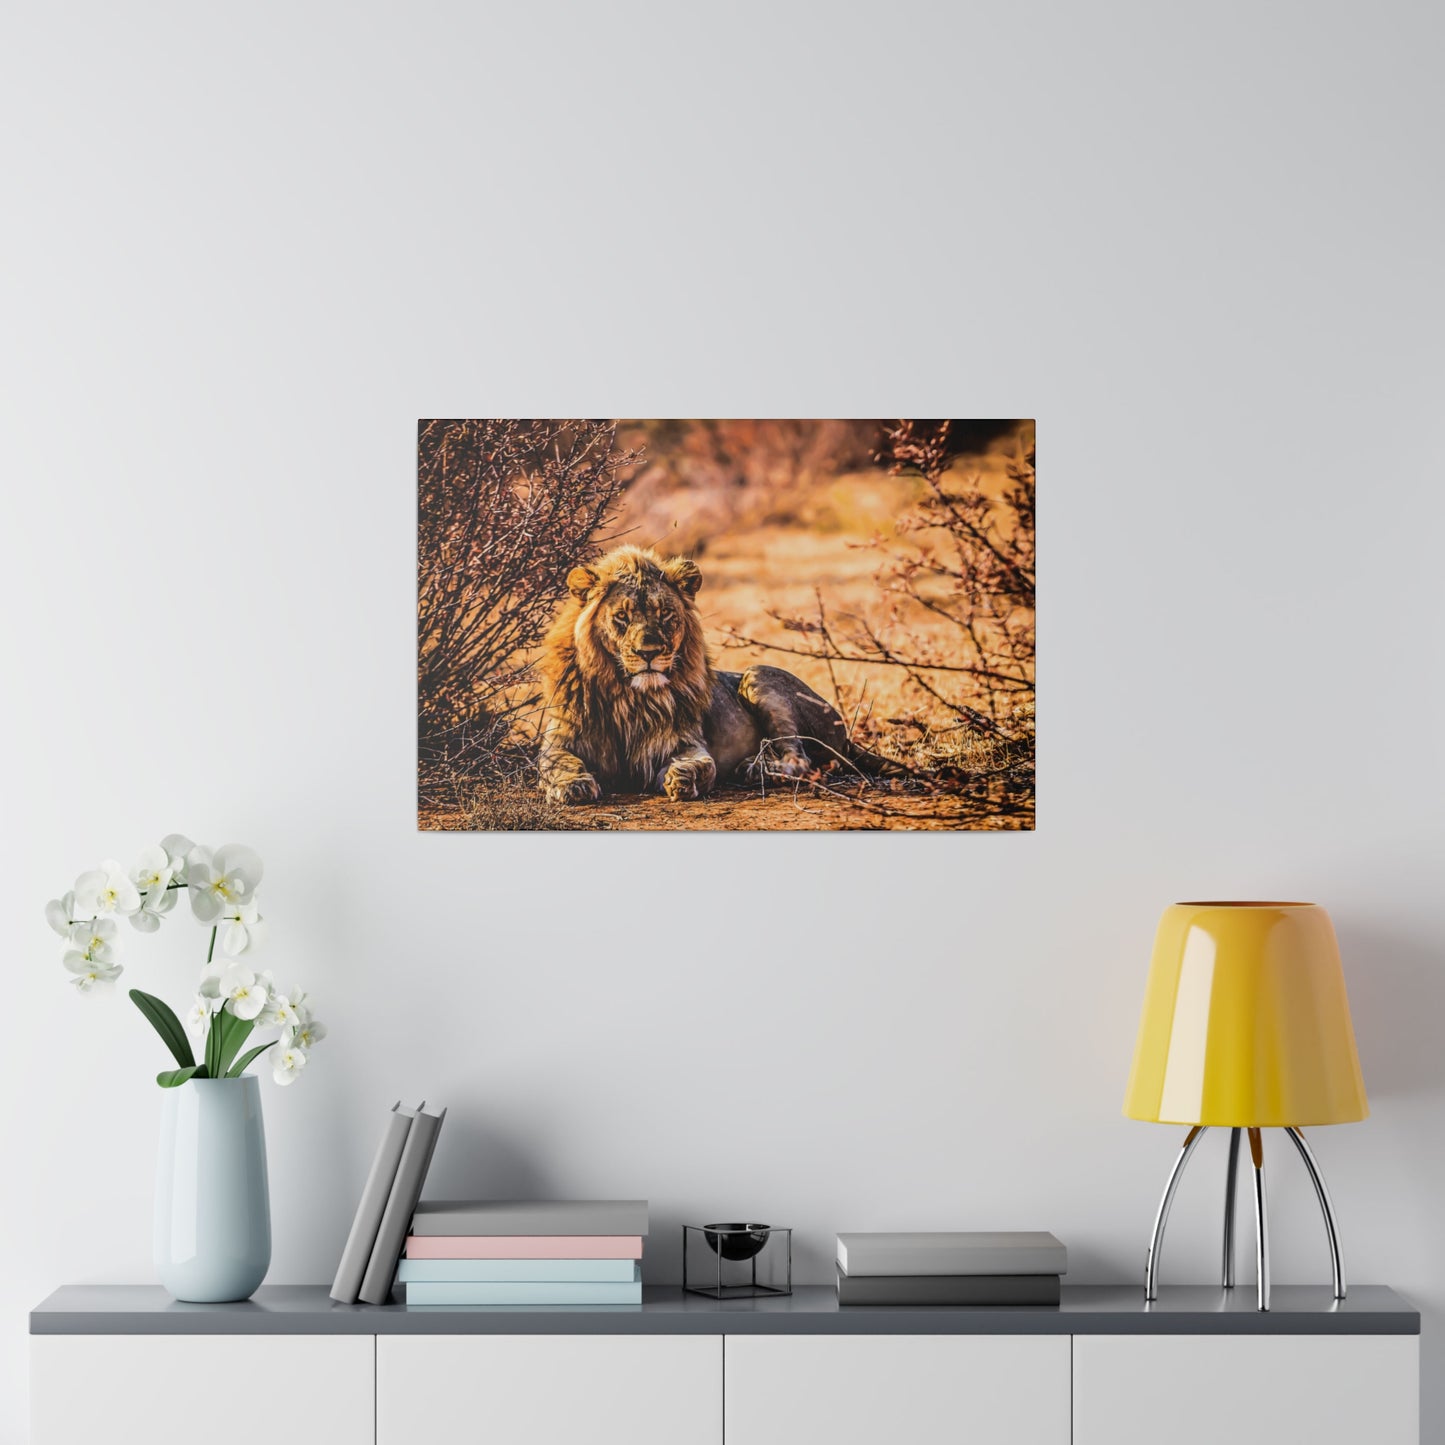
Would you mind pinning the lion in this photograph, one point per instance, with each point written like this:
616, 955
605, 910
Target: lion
634, 703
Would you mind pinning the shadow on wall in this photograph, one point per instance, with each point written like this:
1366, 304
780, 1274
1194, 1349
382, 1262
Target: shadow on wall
476, 1159
662, 1254
1397, 998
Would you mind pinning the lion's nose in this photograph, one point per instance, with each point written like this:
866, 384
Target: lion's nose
648, 650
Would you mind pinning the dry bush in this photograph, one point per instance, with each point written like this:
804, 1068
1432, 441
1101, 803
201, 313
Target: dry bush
955, 616
974, 566
505, 510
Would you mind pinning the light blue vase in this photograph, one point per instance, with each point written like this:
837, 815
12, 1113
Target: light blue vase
213, 1209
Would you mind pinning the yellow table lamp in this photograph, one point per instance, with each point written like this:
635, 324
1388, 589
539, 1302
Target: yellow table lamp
1246, 1026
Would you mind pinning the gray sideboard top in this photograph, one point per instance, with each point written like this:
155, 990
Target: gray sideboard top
1086, 1310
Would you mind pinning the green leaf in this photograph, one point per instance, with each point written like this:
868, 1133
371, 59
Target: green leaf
166, 1024
234, 1032
213, 1043
173, 1078
249, 1058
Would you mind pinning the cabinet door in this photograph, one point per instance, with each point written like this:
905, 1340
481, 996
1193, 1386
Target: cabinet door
1247, 1389
898, 1389
219, 1389
548, 1390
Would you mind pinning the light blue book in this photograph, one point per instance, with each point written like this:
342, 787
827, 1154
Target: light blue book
519, 1271
557, 1292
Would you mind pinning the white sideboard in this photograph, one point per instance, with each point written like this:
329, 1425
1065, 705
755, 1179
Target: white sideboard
220, 1389
627, 1389
922, 1389
1205, 1389
127, 1366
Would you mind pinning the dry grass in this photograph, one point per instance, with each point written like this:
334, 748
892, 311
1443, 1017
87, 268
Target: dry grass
955, 750
506, 808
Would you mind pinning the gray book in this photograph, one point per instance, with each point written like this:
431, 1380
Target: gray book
539, 1217
957, 1252
356, 1254
421, 1140
948, 1289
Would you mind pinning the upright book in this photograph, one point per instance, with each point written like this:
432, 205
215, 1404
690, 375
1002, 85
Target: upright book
356, 1254
955, 1252
401, 1204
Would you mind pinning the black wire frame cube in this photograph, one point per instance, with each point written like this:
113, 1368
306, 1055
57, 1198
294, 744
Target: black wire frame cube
737, 1261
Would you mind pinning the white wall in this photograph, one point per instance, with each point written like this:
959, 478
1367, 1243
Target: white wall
244, 253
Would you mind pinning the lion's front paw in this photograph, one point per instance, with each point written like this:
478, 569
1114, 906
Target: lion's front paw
790, 763
780, 760
581, 789
688, 778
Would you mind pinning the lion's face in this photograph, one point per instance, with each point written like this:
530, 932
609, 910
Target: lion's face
635, 613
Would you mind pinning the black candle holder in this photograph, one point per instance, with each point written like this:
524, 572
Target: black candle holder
737, 1261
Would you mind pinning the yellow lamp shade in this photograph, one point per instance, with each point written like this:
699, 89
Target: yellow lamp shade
1246, 1023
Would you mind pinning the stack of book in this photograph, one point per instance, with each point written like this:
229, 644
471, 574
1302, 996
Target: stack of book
388, 1201
490, 1252
971, 1268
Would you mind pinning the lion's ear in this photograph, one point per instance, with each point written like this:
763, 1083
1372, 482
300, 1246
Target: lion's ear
580, 581
683, 573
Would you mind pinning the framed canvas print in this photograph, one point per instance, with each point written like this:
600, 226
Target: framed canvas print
725, 624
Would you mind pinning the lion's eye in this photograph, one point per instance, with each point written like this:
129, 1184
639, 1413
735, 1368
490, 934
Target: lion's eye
620, 622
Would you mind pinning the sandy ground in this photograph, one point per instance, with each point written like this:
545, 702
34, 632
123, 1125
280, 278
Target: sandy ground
990, 807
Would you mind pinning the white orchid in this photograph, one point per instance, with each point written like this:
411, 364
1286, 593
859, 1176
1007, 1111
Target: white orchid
198, 1019
244, 993
156, 905
242, 928
94, 939
214, 883
59, 912
178, 848
89, 972
279, 1012
153, 871
92, 954
222, 887
308, 1034
106, 889
286, 1063
153, 876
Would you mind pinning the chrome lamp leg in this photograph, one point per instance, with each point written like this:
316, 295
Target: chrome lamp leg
1261, 1212
1332, 1230
1156, 1239
1261, 1219
1230, 1181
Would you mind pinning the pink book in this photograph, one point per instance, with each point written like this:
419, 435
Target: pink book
524, 1246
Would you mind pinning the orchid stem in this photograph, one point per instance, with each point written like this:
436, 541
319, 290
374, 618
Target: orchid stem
210, 952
